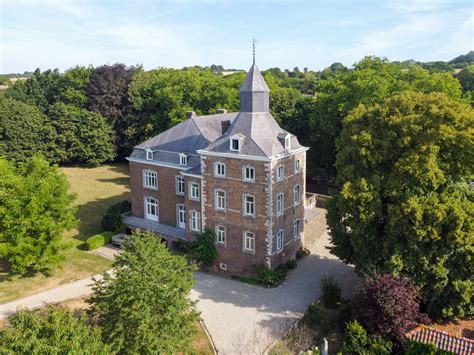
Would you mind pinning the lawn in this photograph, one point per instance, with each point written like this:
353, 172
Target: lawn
96, 189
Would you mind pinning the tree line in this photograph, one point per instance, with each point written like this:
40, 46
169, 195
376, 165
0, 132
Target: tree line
92, 115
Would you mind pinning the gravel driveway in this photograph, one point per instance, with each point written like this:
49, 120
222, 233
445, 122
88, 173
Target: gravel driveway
241, 318
246, 319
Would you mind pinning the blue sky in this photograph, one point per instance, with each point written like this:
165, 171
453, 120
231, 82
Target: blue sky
313, 34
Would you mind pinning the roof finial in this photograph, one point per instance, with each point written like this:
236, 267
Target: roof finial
253, 48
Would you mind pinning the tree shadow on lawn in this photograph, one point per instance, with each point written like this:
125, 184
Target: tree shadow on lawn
122, 181
285, 303
90, 215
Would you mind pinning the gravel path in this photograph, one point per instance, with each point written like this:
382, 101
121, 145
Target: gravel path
241, 318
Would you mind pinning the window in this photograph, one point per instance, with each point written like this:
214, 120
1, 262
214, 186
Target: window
195, 221
149, 154
179, 185
280, 206
150, 179
235, 144
249, 205
249, 241
280, 240
194, 190
248, 173
297, 166
219, 198
151, 208
280, 173
219, 169
297, 229
220, 234
287, 142
183, 159
297, 195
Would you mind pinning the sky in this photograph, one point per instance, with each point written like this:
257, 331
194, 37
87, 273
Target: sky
313, 34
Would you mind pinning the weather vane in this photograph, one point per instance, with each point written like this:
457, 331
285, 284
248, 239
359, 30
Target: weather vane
253, 47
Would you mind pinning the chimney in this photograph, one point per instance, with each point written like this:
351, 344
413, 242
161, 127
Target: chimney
221, 110
225, 126
190, 114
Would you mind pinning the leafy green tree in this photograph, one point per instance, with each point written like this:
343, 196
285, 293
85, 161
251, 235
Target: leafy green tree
107, 94
405, 205
205, 247
24, 132
466, 78
53, 330
145, 308
81, 136
73, 85
371, 81
35, 210
357, 341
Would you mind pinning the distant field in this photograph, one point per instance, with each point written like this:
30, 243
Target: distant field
96, 189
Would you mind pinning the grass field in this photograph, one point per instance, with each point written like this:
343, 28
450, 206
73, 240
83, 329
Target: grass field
96, 189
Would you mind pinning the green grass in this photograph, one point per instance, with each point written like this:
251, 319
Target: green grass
96, 189
247, 280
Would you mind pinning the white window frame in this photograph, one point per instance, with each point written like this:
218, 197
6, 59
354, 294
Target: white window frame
287, 141
180, 207
195, 223
147, 201
192, 190
150, 176
246, 168
280, 240
297, 166
179, 182
218, 206
249, 242
149, 154
280, 176
231, 146
219, 166
245, 202
221, 234
297, 195
183, 159
280, 203
297, 228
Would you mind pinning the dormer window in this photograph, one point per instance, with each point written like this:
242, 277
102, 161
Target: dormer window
149, 154
183, 159
236, 142
287, 142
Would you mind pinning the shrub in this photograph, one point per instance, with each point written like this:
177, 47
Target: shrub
112, 220
415, 348
291, 264
331, 292
357, 341
344, 315
205, 247
313, 314
272, 277
98, 240
300, 253
387, 305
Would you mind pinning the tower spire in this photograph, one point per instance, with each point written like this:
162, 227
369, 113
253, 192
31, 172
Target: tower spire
253, 49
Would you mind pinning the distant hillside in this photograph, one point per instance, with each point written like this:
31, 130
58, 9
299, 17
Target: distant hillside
26, 74
464, 59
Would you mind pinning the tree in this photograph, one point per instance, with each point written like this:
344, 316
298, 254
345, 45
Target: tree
205, 247
53, 330
404, 204
73, 85
81, 136
108, 95
371, 81
35, 210
357, 341
466, 78
146, 308
388, 306
24, 132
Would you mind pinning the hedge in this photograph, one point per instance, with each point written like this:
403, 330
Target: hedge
112, 220
98, 240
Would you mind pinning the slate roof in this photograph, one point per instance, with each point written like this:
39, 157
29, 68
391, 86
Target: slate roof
262, 136
441, 339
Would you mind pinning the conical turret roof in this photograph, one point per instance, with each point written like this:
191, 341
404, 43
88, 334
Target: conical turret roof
254, 81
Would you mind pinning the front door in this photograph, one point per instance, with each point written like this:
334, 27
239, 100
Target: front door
180, 216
